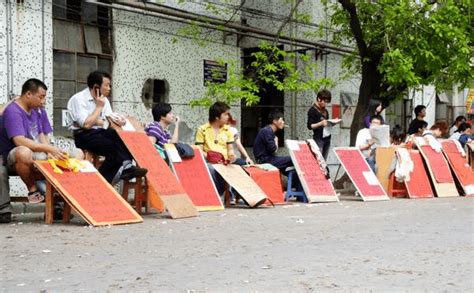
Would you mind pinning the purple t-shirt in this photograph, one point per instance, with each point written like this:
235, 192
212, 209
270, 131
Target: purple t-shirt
162, 136
16, 122
47, 129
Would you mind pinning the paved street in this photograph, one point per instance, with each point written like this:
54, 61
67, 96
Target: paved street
397, 245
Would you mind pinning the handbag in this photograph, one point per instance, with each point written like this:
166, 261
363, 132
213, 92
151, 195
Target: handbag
215, 158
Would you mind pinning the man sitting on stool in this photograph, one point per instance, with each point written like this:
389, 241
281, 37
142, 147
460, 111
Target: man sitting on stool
266, 144
88, 111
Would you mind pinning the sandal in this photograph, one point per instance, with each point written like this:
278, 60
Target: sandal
35, 197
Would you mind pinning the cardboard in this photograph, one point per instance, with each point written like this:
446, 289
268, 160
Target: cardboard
269, 181
360, 174
236, 177
419, 184
438, 170
196, 180
164, 189
384, 157
462, 171
316, 186
91, 196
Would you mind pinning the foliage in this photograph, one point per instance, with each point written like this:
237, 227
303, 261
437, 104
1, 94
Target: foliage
410, 43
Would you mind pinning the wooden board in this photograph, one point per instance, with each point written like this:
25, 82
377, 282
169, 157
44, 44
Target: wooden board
316, 186
236, 177
91, 196
196, 180
384, 157
162, 184
361, 175
269, 181
462, 171
419, 184
438, 170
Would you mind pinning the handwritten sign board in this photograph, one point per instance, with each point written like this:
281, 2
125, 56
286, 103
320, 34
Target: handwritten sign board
161, 181
91, 196
269, 181
194, 176
236, 177
463, 172
419, 184
439, 171
316, 186
360, 174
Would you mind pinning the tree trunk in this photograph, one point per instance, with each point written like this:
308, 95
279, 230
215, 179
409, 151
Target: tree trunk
369, 89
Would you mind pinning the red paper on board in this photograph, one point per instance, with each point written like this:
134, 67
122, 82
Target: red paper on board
196, 180
316, 181
438, 165
463, 171
355, 164
269, 182
419, 185
336, 111
91, 196
159, 174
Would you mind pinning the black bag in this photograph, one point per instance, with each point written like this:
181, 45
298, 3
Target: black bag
184, 150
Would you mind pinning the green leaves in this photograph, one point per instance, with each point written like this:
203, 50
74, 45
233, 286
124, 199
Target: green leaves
411, 43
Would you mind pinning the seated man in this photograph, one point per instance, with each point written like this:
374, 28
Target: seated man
157, 131
23, 137
266, 144
215, 136
366, 144
89, 110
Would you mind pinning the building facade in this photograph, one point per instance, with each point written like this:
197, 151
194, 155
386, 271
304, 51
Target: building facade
154, 56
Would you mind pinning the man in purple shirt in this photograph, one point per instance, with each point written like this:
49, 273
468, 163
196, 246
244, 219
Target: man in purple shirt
157, 131
23, 136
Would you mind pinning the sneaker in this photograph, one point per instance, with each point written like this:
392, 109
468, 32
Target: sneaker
133, 172
5, 218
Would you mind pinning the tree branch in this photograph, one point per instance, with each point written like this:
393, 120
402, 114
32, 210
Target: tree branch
355, 26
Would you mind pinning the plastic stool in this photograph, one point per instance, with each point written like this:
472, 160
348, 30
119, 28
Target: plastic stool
294, 182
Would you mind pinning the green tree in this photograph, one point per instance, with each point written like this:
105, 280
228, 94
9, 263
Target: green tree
403, 44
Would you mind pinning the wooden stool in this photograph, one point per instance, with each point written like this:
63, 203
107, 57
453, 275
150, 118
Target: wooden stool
395, 188
49, 206
139, 187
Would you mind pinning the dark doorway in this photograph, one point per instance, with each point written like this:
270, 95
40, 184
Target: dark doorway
256, 117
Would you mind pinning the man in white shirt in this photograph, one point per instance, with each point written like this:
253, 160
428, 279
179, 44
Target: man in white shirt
365, 142
89, 112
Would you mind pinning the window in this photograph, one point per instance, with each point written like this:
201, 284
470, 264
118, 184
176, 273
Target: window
155, 91
81, 44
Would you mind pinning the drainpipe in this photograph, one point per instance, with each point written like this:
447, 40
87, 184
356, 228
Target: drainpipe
294, 94
8, 39
42, 38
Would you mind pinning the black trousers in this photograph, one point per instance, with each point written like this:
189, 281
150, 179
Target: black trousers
107, 143
323, 144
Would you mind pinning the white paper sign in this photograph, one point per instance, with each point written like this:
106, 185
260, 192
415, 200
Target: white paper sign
88, 167
292, 145
370, 178
381, 135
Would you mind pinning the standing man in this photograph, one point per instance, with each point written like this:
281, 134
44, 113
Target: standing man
266, 143
23, 139
420, 113
318, 117
89, 111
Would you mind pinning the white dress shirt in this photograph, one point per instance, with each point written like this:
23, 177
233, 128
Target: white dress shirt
80, 106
